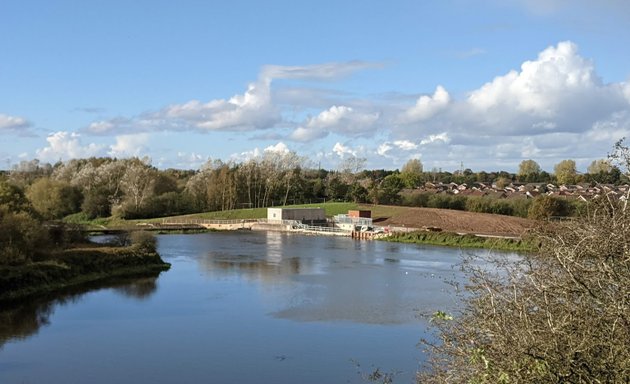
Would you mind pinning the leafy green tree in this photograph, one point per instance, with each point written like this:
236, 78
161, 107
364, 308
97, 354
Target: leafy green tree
411, 173
528, 170
12, 197
54, 199
389, 189
603, 171
22, 237
565, 171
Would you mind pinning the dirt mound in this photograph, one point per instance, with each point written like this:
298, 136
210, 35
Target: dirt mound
451, 220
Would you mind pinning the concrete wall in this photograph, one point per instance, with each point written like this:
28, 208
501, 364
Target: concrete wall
300, 214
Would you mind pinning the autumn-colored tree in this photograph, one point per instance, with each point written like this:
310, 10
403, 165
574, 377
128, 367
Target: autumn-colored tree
566, 172
411, 173
528, 170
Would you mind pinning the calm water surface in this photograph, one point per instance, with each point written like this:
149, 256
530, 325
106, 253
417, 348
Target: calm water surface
251, 307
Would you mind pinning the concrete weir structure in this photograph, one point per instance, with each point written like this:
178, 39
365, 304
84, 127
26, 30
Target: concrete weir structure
311, 221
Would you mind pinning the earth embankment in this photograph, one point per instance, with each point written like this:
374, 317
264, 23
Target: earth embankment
451, 220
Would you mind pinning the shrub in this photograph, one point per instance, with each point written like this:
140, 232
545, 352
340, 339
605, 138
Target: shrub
143, 240
559, 316
545, 207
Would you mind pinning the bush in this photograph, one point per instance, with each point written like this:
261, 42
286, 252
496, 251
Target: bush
545, 207
143, 240
559, 316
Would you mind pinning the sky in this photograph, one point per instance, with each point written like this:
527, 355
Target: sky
478, 84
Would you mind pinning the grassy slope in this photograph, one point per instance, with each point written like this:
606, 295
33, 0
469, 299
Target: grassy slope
237, 214
464, 241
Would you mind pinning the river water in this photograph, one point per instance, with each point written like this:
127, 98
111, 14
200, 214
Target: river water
246, 307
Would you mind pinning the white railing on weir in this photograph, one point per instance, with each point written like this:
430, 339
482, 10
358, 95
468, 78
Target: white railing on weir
206, 221
314, 228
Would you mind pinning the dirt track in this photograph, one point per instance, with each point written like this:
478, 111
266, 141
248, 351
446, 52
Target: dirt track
451, 221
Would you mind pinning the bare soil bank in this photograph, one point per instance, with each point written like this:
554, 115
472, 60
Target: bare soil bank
451, 220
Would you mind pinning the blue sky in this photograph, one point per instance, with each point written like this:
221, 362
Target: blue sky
485, 83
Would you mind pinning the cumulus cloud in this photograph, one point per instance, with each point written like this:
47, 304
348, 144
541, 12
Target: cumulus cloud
129, 145
559, 91
427, 106
341, 120
397, 150
440, 137
557, 98
250, 111
344, 151
67, 145
13, 123
279, 148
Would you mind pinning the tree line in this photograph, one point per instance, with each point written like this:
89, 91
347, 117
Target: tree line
132, 188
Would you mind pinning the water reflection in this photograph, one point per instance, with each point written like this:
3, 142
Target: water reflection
337, 279
21, 320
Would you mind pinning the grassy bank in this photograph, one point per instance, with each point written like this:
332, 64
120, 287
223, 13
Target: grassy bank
464, 241
72, 267
331, 209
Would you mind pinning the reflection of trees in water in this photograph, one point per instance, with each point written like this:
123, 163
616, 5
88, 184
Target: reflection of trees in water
21, 320
140, 289
255, 267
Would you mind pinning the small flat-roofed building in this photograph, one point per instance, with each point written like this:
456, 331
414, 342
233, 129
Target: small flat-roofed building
354, 220
304, 215
360, 213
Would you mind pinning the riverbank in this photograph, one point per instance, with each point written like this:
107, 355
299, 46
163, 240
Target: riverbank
451, 239
77, 266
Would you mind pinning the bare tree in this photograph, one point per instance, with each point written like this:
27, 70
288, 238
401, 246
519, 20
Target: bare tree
561, 315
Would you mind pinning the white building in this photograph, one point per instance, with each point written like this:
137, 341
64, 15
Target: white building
304, 215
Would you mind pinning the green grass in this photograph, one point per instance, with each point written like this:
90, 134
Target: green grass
259, 213
331, 209
464, 241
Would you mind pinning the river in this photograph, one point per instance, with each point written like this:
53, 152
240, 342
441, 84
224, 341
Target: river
246, 307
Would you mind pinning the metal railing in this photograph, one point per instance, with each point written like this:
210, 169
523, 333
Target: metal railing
206, 221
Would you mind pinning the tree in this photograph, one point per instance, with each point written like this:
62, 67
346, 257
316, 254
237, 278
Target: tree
411, 173
528, 170
599, 166
54, 199
603, 171
565, 172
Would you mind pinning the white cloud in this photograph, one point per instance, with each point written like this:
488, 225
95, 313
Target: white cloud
101, 127
326, 71
129, 145
384, 148
255, 153
427, 106
398, 149
278, 148
554, 107
67, 145
538, 87
13, 123
341, 120
440, 137
344, 151
250, 111
405, 145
